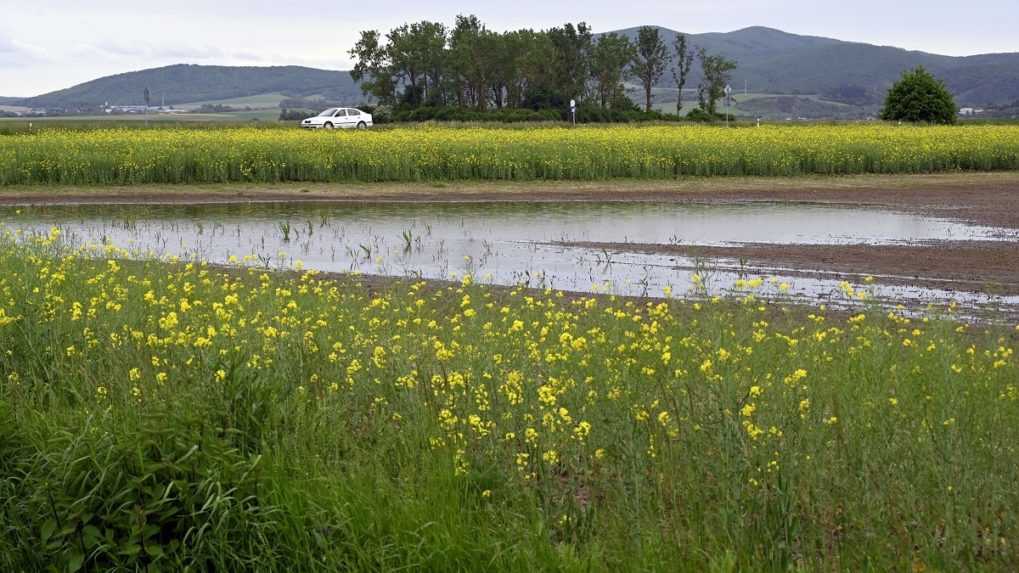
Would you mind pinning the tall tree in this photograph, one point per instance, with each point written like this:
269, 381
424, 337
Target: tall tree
416, 53
402, 53
148, 97
433, 39
467, 61
526, 54
538, 79
372, 68
571, 64
501, 60
716, 70
610, 57
650, 60
681, 73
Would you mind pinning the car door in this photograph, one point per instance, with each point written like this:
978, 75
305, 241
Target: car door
340, 118
353, 118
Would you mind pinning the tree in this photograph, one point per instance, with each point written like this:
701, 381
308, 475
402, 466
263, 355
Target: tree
650, 60
147, 96
529, 52
716, 70
372, 68
919, 97
610, 57
467, 62
684, 62
416, 53
538, 79
571, 64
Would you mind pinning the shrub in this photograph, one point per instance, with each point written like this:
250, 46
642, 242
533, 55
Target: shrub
295, 114
919, 97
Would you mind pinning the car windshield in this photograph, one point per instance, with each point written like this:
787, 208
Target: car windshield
328, 112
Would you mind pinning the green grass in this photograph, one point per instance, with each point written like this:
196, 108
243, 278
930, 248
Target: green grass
28, 125
260, 101
168, 416
124, 156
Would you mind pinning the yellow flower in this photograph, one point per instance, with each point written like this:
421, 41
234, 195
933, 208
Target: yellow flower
582, 431
5, 319
530, 435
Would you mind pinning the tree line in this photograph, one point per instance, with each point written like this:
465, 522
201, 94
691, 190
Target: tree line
469, 66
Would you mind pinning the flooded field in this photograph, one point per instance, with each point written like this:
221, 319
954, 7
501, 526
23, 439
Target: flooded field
539, 245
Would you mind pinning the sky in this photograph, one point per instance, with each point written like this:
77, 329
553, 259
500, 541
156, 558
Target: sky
47, 45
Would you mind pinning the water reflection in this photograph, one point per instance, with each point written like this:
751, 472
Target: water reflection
505, 243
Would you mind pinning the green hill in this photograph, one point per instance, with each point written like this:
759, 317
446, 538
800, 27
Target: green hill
776, 62
184, 83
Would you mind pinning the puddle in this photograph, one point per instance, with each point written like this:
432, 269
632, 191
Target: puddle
508, 243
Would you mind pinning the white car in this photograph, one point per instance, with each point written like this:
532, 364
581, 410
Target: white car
339, 118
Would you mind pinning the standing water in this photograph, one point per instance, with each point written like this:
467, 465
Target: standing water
511, 243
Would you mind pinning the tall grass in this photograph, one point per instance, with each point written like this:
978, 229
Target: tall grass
123, 156
166, 416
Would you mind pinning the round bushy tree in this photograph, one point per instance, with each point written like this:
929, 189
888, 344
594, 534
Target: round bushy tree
919, 97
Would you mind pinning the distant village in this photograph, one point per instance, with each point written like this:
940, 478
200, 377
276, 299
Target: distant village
128, 109
108, 109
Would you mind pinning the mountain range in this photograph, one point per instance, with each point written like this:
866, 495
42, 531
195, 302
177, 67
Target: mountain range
775, 65
772, 61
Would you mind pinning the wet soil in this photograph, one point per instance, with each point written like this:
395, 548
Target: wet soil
990, 267
981, 198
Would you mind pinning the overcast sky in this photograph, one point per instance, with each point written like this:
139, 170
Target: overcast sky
52, 44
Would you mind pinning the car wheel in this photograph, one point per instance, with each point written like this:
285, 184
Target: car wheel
362, 125
327, 126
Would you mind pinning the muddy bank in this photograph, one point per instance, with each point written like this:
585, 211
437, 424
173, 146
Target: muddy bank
990, 267
981, 198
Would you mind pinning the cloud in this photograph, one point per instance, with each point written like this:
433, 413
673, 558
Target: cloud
135, 49
14, 52
167, 52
